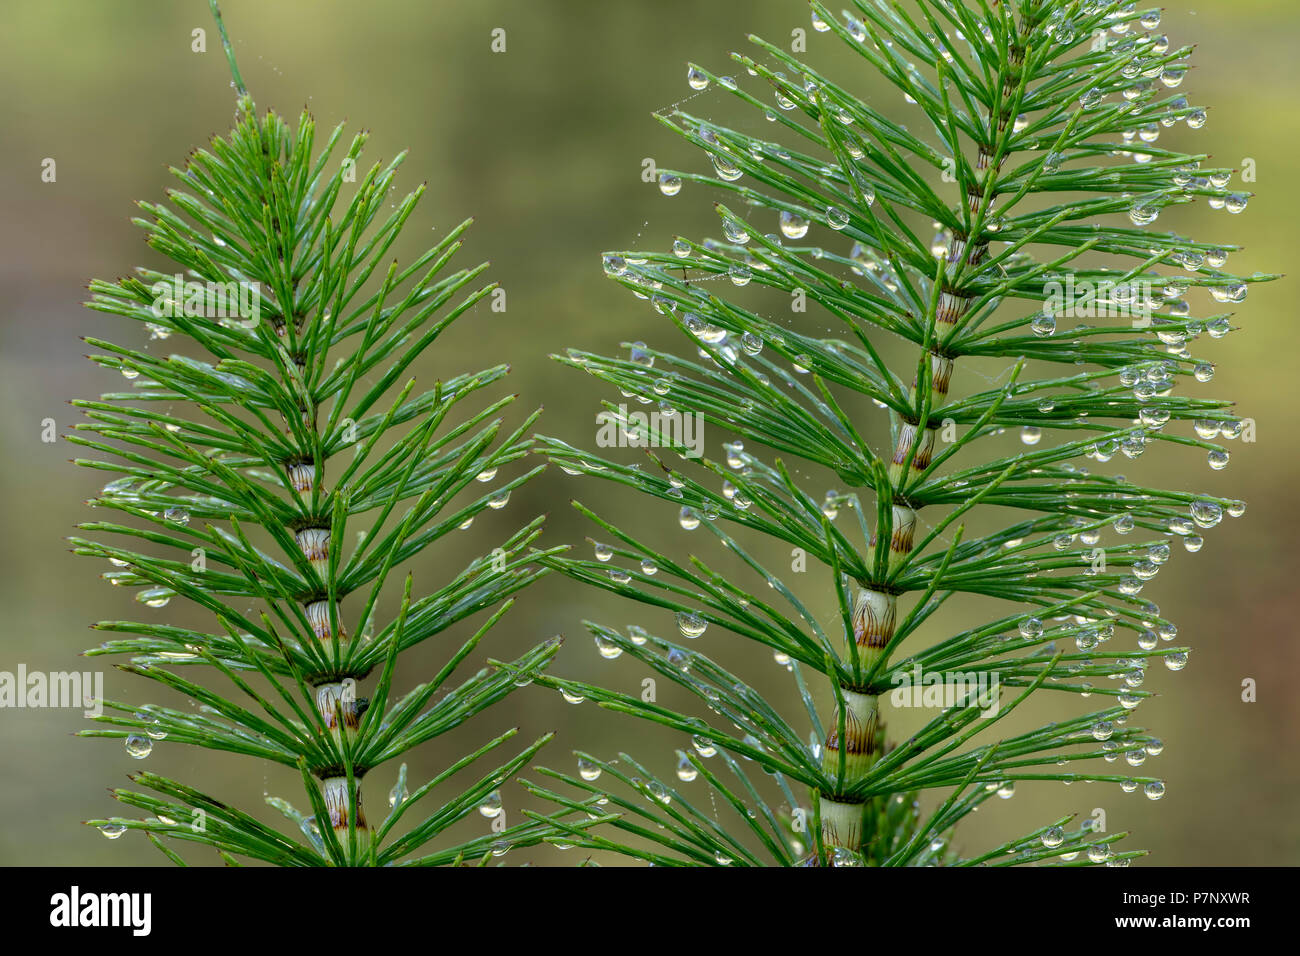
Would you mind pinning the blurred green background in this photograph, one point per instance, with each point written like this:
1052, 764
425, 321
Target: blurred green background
544, 145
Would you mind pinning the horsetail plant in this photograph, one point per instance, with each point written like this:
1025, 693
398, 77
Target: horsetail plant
252, 456
1032, 152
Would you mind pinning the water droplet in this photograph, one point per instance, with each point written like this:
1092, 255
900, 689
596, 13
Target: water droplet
112, 831
1143, 214
1031, 434
691, 625
688, 518
153, 730
1172, 76
399, 794
725, 168
499, 500
608, 649
139, 746
793, 226
703, 746
669, 184
588, 770
154, 597
686, 771
1031, 628
1154, 790
1153, 416
1232, 292
1218, 459
1206, 428
836, 217
1176, 661
696, 79
866, 191
735, 231
1044, 324
1053, 837
1206, 513
491, 805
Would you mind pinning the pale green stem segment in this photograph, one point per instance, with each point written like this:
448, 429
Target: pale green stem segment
874, 619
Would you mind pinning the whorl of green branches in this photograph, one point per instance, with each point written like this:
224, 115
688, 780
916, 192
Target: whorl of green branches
274, 465
1034, 143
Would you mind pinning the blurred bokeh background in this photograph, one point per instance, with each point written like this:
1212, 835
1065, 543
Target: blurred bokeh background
543, 144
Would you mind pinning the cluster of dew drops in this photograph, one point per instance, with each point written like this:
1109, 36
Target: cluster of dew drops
160, 597
138, 746
1149, 382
